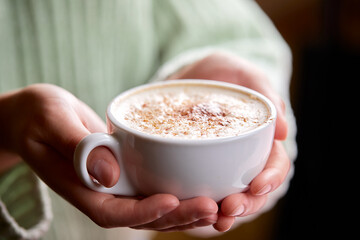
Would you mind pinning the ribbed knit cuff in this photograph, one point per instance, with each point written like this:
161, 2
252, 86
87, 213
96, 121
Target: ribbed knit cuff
25, 211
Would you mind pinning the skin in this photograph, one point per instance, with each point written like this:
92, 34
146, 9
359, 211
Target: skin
41, 124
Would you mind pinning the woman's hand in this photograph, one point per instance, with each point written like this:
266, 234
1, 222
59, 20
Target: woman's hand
230, 68
43, 124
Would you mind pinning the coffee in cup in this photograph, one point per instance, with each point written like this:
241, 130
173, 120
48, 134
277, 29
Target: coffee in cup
191, 111
184, 137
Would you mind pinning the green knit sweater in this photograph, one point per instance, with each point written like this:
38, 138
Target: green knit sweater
99, 48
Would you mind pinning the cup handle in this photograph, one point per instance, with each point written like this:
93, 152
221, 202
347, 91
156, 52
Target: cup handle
82, 151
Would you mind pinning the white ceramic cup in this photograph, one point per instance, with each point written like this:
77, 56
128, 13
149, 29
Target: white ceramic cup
186, 168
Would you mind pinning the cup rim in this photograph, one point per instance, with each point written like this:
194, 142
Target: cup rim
182, 141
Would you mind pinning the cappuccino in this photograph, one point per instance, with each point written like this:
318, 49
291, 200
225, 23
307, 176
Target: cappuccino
175, 137
191, 111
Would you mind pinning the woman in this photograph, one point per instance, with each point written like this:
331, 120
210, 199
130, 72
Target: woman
89, 51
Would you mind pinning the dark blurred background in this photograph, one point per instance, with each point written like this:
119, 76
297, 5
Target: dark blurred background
324, 36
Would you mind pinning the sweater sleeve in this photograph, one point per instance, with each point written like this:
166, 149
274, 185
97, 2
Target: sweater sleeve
198, 29
24, 205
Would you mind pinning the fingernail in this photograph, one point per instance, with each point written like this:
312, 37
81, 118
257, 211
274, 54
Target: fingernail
266, 189
240, 210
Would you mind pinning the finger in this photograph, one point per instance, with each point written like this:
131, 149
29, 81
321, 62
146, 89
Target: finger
89, 118
118, 212
189, 211
102, 165
242, 204
274, 173
255, 79
106, 210
196, 224
281, 129
224, 223
55, 118
62, 130
66, 125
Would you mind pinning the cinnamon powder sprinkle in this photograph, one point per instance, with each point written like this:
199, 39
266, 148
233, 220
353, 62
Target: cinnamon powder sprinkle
193, 114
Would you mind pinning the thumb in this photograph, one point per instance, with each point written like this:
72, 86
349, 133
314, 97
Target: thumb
281, 129
102, 166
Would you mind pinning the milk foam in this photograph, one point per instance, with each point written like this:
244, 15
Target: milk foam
191, 112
